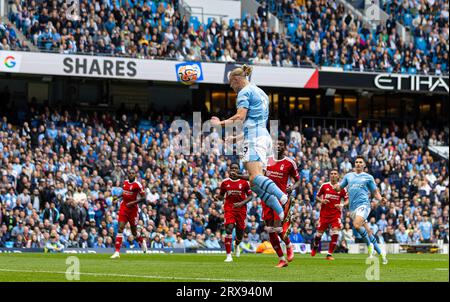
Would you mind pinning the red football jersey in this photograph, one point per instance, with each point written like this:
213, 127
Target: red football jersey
235, 191
131, 191
328, 209
279, 172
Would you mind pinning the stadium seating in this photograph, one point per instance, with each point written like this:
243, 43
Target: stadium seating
426, 21
9, 40
127, 29
38, 186
294, 13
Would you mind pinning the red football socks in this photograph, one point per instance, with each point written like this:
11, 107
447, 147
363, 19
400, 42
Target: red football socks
275, 241
317, 241
228, 240
118, 243
333, 243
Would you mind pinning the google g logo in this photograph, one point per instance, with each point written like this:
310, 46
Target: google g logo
10, 61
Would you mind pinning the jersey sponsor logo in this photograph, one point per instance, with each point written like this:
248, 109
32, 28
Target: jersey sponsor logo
275, 174
331, 196
357, 186
234, 192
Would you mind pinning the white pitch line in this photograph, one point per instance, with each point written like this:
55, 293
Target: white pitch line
441, 269
136, 276
307, 256
394, 258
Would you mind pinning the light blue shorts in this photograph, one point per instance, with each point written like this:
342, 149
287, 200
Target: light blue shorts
259, 149
362, 211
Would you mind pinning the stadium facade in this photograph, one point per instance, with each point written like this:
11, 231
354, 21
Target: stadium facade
310, 95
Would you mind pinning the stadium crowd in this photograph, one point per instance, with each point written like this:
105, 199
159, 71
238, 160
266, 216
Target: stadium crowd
62, 169
9, 40
338, 38
319, 32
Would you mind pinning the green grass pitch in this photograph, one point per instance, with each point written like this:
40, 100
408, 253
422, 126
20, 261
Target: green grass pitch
210, 267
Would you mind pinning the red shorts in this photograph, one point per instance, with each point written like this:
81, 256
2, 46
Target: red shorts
269, 213
333, 221
130, 215
236, 217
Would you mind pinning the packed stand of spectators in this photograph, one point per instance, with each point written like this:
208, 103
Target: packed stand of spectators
115, 27
62, 170
424, 15
9, 40
428, 22
152, 29
319, 32
415, 183
332, 36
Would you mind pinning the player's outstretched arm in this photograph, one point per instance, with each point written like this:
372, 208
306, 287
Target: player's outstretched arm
341, 185
243, 176
240, 115
218, 197
240, 176
295, 186
237, 138
243, 203
375, 191
139, 200
321, 200
379, 197
344, 203
319, 193
222, 191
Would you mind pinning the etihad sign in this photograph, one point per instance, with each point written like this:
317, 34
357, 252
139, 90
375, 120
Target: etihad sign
410, 82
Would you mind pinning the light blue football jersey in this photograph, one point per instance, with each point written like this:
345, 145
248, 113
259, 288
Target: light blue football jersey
359, 187
256, 101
